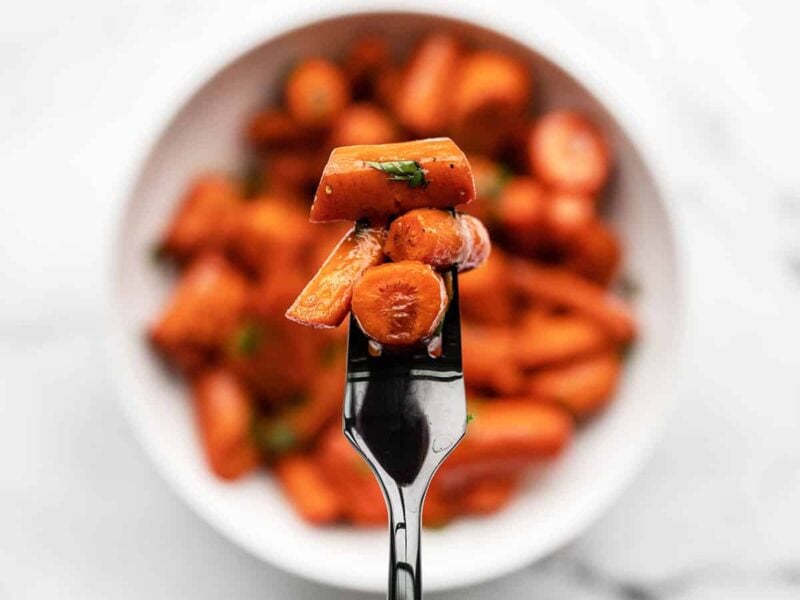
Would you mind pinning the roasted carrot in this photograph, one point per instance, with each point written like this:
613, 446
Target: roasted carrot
224, 412
201, 313
361, 124
521, 208
583, 386
569, 153
365, 60
563, 288
424, 96
490, 93
292, 172
595, 253
375, 182
487, 495
204, 217
567, 216
484, 294
513, 429
548, 339
275, 128
316, 92
479, 245
325, 301
488, 359
313, 497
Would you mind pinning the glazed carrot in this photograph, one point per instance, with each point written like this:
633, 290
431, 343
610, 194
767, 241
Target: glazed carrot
316, 92
487, 495
583, 386
548, 339
478, 244
224, 411
424, 96
488, 359
272, 128
512, 429
365, 60
569, 153
292, 172
325, 301
203, 218
490, 93
399, 304
484, 294
375, 182
361, 124
563, 288
521, 208
567, 216
490, 178
201, 313
313, 497
595, 253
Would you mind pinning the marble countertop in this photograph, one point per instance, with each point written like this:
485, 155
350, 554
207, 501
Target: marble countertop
84, 515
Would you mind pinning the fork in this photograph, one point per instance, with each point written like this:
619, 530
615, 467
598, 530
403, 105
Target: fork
404, 414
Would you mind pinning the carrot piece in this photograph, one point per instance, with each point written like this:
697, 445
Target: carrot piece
316, 92
352, 477
548, 339
325, 301
224, 413
365, 60
487, 495
567, 216
424, 95
490, 178
484, 294
202, 312
313, 497
488, 359
595, 253
522, 208
204, 217
479, 245
292, 172
273, 128
569, 153
584, 386
361, 124
560, 287
399, 304
513, 429
490, 93
351, 188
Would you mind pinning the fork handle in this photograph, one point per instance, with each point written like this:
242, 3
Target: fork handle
405, 514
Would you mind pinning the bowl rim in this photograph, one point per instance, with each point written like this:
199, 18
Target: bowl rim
556, 43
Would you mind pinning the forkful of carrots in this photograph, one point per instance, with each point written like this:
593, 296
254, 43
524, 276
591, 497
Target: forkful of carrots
396, 272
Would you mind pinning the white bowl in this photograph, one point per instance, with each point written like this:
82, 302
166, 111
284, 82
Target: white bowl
556, 505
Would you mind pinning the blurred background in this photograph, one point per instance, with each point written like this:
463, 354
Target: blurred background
83, 88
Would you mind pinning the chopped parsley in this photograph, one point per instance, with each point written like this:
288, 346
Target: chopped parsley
409, 171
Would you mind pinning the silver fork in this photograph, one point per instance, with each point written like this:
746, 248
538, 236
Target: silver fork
405, 414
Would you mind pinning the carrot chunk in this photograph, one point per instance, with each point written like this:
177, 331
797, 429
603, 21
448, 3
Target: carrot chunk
584, 386
424, 95
549, 339
560, 287
363, 124
273, 128
569, 153
312, 496
325, 301
484, 293
224, 413
316, 92
375, 182
522, 207
478, 243
595, 253
568, 216
399, 304
487, 495
488, 354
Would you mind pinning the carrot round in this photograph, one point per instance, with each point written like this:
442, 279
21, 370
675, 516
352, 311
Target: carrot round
365, 60
363, 123
316, 92
569, 153
399, 304
375, 182
583, 386
484, 293
313, 497
567, 216
521, 208
425, 92
478, 243
488, 354
595, 253
548, 339
487, 495
325, 301
224, 413
276, 128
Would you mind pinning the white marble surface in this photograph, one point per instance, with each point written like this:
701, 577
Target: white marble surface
715, 514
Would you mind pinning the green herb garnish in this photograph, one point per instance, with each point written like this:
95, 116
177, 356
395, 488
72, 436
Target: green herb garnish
402, 170
274, 437
628, 288
248, 339
470, 418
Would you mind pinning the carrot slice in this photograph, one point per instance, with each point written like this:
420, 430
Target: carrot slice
224, 413
375, 182
569, 153
549, 339
513, 429
399, 304
313, 497
584, 386
325, 301
487, 495
424, 95
365, 60
316, 92
489, 360
478, 243
567, 216
361, 124
595, 253
522, 208
272, 128
563, 288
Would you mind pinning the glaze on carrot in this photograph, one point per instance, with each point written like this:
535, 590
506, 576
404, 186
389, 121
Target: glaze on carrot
363, 124
375, 182
325, 301
549, 339
312, 496
399, 304
316, 92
